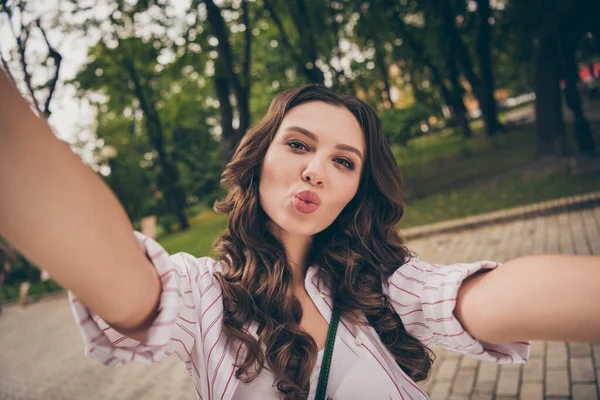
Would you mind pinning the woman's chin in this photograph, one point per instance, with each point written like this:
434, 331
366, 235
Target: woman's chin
292, 226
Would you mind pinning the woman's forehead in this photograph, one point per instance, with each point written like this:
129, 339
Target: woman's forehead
327, 122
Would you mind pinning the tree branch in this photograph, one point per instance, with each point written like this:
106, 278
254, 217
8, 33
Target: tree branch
220, 30
297, 55
419, 51
7, 70
21, 40
284, 36
462, 54
248, 45
308, 44
55, 55
336, 48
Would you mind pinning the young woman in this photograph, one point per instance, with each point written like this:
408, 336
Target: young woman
314, 197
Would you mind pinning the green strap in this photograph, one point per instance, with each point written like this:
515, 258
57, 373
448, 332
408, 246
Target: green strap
324, 374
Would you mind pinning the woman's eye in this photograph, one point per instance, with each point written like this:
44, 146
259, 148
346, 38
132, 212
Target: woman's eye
301, 146
346, 163
297, 145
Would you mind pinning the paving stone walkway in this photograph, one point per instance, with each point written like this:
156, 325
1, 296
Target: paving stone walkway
41, 353
556, 370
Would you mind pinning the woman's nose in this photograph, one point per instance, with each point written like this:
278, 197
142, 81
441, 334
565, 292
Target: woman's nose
312, 178
314, 173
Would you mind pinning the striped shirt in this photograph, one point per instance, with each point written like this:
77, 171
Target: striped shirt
189, 324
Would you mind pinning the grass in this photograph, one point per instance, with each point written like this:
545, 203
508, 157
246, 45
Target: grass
11, 293
514, 189
432, 165
199, 238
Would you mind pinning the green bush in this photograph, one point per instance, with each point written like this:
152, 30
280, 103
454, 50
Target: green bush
399, 125
11, 293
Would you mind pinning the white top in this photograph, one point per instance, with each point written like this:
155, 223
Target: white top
189, 327
346, 368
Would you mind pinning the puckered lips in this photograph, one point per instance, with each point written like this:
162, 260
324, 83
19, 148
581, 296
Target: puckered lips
307, 201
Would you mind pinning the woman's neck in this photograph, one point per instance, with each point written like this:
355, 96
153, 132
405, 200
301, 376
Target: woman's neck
297, 248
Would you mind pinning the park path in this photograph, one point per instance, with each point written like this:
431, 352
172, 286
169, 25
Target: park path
41, 352
556, 370
527, 113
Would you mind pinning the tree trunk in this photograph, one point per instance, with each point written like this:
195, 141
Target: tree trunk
244, 100
484, 55
228, 80
464, 60
171, 182
307, 39
581, 126
243, 107
452, 96
299, 55
548, 104
458, 104
461, 115
419, 94
383, 70
421, 57
175, 191
229, 137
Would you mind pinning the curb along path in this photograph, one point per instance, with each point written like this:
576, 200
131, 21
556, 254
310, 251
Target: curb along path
561, 205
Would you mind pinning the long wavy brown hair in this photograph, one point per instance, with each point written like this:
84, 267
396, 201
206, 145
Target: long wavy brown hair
360, 249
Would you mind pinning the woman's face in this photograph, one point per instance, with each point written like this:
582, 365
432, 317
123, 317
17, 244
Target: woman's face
319, 149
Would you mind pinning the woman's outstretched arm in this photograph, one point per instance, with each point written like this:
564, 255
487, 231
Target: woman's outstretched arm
63, 217
548, 297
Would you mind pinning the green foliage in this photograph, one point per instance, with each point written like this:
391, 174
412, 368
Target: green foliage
363, 48
14, 267
400, 125
11, 293
135, 172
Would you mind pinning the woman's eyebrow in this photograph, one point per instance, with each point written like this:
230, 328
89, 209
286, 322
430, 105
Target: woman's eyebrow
314, 137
